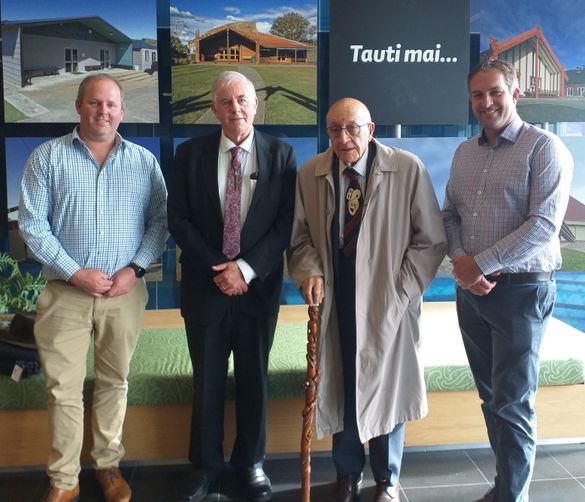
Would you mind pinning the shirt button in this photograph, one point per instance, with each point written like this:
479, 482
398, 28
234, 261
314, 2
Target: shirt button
479, 192
475, 214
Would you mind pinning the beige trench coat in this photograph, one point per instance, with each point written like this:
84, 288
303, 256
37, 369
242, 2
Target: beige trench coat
400, 246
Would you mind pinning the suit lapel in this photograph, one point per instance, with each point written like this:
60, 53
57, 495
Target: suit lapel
208, 169
264, 160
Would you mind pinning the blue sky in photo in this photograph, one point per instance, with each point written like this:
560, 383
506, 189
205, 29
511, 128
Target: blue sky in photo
562, 24
135, 18
19, 149
190, 16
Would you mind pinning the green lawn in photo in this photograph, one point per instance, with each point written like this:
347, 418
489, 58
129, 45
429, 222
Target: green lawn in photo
565, 109
573, 261
12, 114
291, 92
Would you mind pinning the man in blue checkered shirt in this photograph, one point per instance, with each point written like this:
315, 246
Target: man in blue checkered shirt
93, 212
504, 206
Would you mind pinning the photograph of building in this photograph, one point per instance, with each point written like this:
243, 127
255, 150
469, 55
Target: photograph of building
241, 42
275, 48
540, 74
542, 40
47, 50
43, 47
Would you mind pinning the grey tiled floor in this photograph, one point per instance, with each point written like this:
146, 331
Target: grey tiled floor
427, 476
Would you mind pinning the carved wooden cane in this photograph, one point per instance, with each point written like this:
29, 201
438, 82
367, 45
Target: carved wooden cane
310, 387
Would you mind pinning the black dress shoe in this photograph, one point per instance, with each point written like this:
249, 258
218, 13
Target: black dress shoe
197, 486
256, 484
387, 493
346, 488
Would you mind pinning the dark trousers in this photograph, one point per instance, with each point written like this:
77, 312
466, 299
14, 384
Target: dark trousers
502, 333
348, 451
250, 340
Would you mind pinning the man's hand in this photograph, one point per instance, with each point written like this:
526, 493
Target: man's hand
92, 281
230, 280
482, 287
312, 290
466, 271
122, 282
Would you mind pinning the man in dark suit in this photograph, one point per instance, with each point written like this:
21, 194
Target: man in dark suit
230, 211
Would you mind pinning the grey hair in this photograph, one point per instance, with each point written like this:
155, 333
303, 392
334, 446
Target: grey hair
225, 78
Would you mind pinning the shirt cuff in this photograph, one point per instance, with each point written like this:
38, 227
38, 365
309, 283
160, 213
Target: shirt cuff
247, 270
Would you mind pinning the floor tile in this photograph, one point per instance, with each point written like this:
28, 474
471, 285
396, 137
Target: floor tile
571, 457
439, 468
459, 493
558, 490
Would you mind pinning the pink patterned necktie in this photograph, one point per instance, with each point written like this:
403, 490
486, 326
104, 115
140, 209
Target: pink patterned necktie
231, 217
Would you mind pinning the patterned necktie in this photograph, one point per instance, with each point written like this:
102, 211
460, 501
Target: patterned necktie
354, 201
231, 217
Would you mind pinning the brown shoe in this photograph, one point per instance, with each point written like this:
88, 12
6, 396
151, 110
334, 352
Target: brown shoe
346, 488
59, 495
387, 493
113, 485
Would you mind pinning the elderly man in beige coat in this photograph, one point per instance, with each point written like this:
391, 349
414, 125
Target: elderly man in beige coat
367, 262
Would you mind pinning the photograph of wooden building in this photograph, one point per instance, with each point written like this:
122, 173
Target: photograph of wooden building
241, 42
540, 73
42, 47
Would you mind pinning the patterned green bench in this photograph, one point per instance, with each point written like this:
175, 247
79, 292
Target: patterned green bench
161, 368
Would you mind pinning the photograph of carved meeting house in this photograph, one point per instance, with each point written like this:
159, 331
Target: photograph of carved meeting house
546, 87
275, 48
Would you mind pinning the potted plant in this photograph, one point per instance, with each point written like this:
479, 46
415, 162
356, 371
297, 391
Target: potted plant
18, 291
18, 296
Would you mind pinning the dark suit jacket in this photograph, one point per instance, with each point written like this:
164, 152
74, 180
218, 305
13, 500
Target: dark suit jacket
196, 224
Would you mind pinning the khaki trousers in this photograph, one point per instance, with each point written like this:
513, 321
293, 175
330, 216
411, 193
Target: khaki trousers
66, 319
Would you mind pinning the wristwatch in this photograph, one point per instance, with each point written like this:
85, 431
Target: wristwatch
138, 270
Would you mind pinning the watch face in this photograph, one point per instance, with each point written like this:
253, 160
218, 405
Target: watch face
138, 270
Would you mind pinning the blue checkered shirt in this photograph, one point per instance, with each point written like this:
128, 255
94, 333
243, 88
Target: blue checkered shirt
74, 214
505, 205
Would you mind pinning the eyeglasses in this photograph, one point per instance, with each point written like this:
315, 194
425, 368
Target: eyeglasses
351, 129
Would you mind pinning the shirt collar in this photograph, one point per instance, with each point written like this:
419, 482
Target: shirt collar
118, 140
225, 144
510, 132
361, 165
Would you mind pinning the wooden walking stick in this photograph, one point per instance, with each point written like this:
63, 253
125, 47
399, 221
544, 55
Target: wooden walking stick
310, 387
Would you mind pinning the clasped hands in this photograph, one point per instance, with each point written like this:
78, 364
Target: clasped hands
230, 280
469, 276
98, 284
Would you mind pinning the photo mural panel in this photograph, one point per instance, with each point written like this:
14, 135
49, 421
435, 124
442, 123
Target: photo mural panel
274, 45
407, 61
543, 40
49, 47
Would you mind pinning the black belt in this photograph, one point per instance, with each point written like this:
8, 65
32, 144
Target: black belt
520, 278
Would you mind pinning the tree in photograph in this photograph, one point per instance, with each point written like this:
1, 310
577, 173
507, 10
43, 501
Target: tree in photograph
294, 27
179, 50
